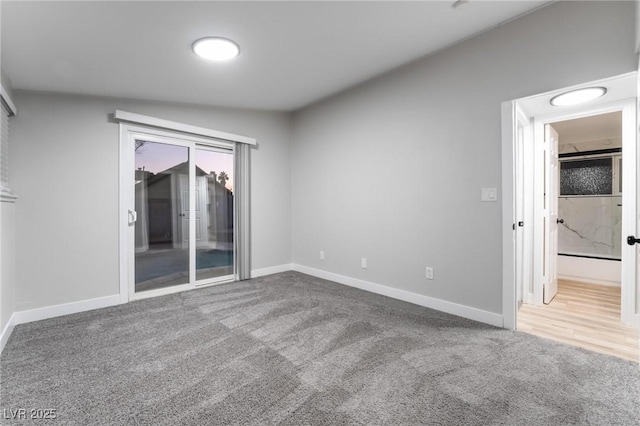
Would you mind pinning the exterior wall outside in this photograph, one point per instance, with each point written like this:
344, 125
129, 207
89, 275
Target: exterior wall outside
392, 170
65, 166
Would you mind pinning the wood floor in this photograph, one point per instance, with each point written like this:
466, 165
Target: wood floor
584, 315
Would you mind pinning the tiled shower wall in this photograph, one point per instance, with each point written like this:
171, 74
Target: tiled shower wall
592, 226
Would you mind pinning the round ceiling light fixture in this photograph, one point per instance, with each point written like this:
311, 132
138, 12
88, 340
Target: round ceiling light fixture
216, 48
579, 96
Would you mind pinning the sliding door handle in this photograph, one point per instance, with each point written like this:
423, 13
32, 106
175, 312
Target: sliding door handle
133, 217
631, 240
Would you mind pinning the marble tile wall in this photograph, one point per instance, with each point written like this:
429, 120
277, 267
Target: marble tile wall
592, 226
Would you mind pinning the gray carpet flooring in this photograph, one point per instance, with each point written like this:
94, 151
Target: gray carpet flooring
291, 349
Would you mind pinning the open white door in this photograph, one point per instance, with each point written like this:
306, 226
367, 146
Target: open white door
519, 216
551, 216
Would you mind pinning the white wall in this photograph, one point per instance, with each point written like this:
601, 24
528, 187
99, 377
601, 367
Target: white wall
593, 271
392, 170
64, 157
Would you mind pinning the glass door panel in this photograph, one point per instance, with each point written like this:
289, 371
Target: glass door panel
162, 207
214, 213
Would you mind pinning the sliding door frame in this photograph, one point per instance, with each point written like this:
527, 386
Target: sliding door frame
128, 134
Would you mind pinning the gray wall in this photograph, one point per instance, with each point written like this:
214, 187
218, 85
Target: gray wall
6, 83
392, 170
7, 262
637, 29
64, 155
7, 242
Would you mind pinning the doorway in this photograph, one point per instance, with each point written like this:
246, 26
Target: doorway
590, 199
581, 302
162, 186
527, 207
180, 233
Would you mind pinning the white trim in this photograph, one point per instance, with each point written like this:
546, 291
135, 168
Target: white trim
272, 270
6, 332
588, 280
162, 291
407, 296
8, 101
22, 317
181, 127
603, 82
590, 270
124, 204
587, 111
509, 302
181, 288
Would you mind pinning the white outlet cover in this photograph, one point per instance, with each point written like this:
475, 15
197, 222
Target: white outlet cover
429, 271
489, 194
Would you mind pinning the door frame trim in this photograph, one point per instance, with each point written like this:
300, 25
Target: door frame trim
124, 116
508, 113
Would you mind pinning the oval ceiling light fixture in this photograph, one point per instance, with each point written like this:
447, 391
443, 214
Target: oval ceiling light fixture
216, 48
579, 96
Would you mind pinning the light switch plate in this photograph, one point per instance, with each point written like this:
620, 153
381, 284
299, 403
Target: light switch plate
489, 194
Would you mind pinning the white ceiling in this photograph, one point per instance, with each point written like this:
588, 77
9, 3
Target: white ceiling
292, 53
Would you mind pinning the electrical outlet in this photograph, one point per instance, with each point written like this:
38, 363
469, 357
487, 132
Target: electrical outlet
321, 255
429, 273
363, 263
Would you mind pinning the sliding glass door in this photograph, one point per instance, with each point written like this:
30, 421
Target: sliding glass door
182, 225
162, 208
214, 213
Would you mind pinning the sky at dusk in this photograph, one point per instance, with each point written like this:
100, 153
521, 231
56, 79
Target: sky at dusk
157, 157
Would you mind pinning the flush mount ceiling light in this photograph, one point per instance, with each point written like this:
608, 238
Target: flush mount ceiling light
579, 96
216, 48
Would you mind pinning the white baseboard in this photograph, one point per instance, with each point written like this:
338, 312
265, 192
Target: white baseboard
22, 317
588, 270
6, 332
271, 270
407, 296
589, 280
